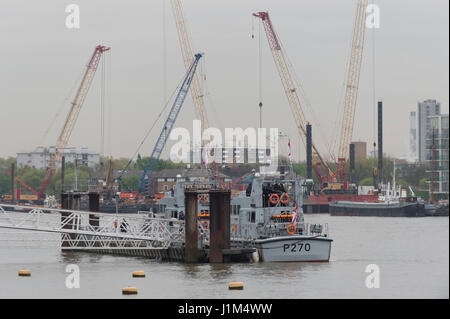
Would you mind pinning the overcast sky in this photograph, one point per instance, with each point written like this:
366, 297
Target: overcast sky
41, 59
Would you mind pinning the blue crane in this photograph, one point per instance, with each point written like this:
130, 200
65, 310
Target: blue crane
168, 125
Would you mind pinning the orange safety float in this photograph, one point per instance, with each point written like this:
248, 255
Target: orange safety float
291, 229
206, 198
115, 223
271, 198
284, 199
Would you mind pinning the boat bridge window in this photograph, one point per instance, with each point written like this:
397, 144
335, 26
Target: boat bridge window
159, 208
279, 189
248, 191
252, 217
235, 209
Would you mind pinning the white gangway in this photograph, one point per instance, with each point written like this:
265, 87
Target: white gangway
82, 230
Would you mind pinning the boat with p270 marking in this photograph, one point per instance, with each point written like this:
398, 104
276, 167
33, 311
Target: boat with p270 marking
267, 216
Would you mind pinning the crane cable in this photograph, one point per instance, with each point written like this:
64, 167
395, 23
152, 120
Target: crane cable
102, 109
161, 113
208, 93
373, 90
340, 107
260, 71
306, 102
59, 110
52, 122
109, 105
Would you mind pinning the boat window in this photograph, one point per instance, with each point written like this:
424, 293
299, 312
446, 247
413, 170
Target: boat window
252, 217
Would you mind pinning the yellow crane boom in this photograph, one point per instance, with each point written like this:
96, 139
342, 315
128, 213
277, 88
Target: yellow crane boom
352, 82
187, 51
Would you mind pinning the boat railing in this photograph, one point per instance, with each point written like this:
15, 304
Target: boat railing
250, 232
306, 229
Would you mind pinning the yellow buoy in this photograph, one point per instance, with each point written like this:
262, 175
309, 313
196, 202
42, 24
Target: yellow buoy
129, 291
139, 273
236, 285
25, 272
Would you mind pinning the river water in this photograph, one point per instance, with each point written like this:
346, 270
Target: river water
412, 255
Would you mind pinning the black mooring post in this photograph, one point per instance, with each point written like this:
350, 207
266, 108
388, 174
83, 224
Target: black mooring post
63, 165
13, 191
308, 151
64, 216
352, 163
94, 206
219, 224
380, 143
191, 231
76, 201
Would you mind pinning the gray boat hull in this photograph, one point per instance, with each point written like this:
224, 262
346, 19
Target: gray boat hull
295, 248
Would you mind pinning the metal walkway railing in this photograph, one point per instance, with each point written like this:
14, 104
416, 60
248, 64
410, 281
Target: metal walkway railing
93, 230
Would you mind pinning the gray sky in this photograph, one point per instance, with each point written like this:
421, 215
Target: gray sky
41, 60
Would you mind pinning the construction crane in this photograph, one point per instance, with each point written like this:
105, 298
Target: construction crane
286, 75
71, 118
187, 51
169, 123
352, 84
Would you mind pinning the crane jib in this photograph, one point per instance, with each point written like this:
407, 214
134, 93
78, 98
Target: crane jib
72, 116
169, 123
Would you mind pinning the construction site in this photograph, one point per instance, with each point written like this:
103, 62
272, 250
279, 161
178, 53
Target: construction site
253, 137
332, 168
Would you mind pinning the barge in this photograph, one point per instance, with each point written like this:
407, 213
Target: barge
382, 209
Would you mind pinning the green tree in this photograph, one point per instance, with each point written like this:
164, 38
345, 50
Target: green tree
423, 183
368, 181
131, 183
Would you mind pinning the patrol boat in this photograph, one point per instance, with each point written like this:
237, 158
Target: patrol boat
267, 215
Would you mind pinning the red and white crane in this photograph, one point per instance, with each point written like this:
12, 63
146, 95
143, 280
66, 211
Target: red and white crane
287, 78
351, 92
71, 119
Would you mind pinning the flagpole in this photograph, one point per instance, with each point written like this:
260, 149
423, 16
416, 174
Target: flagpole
290, 157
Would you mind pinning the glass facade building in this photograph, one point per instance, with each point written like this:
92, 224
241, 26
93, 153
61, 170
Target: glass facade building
437, 165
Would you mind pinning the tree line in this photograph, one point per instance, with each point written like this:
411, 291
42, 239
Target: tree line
409, 175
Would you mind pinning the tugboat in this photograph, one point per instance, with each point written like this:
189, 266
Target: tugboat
267, 215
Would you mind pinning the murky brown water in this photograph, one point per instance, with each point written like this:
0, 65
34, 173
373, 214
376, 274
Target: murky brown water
412, 254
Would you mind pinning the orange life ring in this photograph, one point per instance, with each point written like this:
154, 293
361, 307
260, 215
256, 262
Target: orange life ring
205, 224
115, 223
271, 198
199, 197
206, 198
286, 196
291, 229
